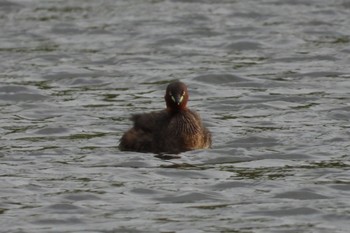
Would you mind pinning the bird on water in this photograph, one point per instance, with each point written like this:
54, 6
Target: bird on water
172, 130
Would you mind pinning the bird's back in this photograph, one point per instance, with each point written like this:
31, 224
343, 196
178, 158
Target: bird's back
166, 132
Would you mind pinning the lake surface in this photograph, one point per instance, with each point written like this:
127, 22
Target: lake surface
270, 78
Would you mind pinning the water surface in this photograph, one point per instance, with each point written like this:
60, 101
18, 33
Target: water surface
269, 78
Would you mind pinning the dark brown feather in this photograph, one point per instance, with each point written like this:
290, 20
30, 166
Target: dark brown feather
173, 130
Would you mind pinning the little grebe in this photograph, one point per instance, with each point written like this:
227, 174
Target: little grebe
172, 130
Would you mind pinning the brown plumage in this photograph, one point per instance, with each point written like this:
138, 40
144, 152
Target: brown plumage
172, 130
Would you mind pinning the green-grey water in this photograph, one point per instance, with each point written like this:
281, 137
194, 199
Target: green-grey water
270, 79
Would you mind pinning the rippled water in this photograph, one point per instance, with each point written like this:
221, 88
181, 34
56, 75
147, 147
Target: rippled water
270, 79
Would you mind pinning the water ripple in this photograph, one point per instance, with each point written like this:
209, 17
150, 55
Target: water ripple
269, 78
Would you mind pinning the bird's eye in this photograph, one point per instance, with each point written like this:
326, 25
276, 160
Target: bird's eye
171, 94
183, 93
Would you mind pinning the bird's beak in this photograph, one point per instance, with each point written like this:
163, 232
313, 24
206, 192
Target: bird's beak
177, 99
